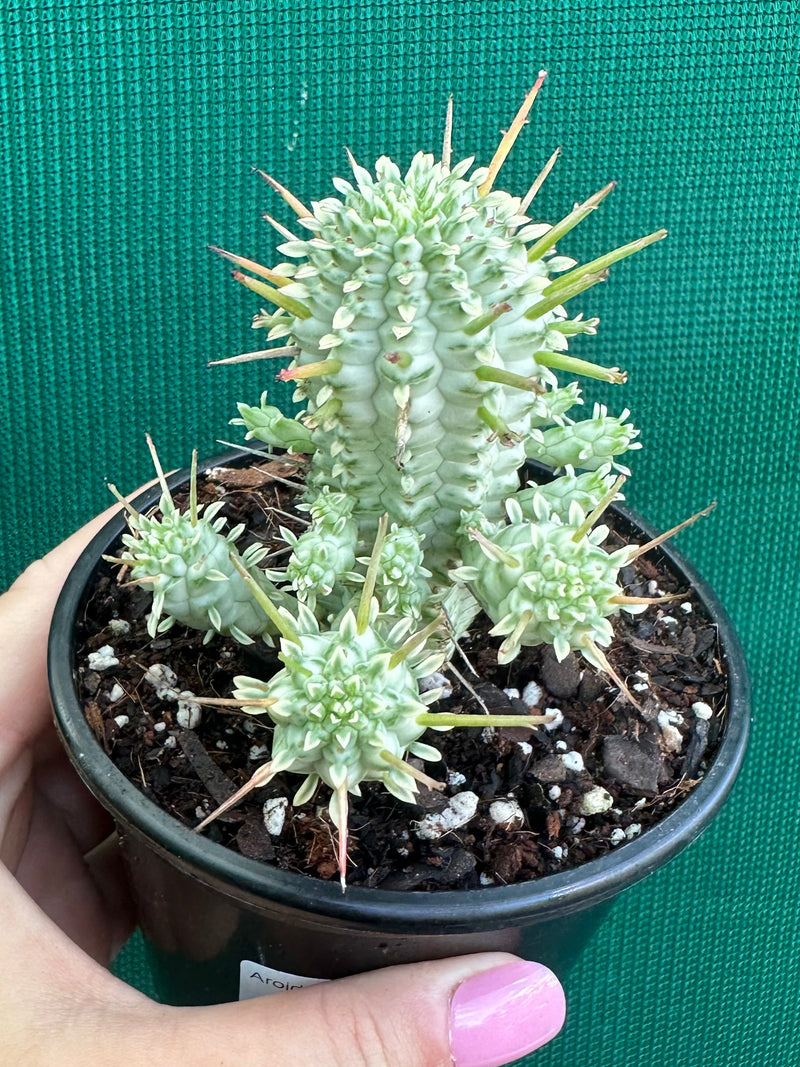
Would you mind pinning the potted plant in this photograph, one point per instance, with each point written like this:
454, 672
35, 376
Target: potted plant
402, 578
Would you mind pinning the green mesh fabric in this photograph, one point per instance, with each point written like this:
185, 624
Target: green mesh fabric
129, 133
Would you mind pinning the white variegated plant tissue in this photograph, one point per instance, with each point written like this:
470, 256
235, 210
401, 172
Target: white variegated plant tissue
422, 315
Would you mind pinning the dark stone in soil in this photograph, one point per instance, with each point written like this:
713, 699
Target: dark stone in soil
698, 743
635, 764
561, 679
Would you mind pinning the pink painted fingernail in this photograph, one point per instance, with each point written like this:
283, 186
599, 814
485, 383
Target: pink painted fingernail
501, 1014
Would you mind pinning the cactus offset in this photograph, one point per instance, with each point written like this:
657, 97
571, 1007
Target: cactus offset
423, 317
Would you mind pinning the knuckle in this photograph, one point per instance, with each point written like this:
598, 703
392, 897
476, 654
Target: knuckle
362, 1036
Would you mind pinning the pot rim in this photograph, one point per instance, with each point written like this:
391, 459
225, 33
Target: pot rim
445, 911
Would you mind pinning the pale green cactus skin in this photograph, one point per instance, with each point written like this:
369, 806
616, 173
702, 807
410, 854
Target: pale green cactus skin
588, 444
340, 704
402, 584
586, 490
394, 276
549, 583
424, 328
324, 556
187, 563
266, 423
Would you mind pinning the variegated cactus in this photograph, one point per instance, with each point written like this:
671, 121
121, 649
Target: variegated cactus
423, 318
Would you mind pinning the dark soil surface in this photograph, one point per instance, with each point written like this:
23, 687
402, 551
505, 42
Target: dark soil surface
646, 759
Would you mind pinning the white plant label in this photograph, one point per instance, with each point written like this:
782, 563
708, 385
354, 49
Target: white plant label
256, 980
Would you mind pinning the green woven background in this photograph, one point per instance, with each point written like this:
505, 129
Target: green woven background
128, 134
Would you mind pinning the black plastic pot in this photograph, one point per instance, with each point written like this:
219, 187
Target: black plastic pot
204, 909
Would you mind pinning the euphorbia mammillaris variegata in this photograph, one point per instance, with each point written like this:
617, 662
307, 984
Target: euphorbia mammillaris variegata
422, 317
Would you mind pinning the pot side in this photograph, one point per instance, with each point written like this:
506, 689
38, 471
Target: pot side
204, 909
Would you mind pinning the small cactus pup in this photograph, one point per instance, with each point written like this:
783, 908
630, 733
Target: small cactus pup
422, 314
346, 706
195, 573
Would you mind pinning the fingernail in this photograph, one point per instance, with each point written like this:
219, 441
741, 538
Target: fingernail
501, 1014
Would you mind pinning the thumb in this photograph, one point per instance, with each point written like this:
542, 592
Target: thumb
472, 1011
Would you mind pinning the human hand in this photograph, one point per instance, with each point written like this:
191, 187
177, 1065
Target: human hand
65, 913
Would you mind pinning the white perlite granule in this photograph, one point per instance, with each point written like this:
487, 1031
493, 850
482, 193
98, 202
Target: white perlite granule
643, 683
163, 679
188, 714
671, 715
556, 720
103, 659
673, 740
596, 801
532, 694
506, 813
275, 815
437, 680
459, 811
702, 710
573, 761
